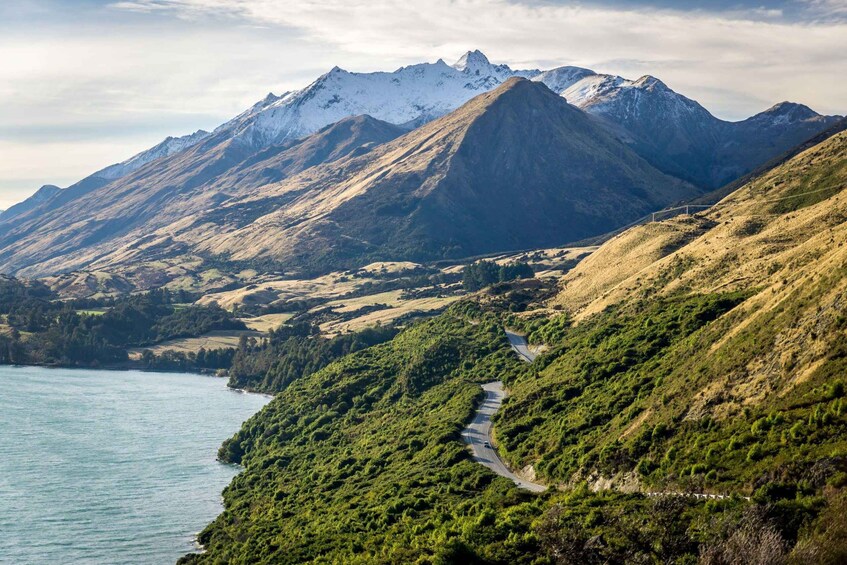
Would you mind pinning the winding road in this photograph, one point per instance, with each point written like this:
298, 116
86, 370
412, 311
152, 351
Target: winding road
478, 433
519, 344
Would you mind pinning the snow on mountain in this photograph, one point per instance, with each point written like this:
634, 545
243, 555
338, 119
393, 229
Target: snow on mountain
619, 98
682, 138
416, 94
410, 95
560, 79
167, 147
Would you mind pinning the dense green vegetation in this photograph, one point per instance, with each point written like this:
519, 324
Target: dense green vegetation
292, 352
362, 462
202, 360
485, 273
38, 328
607, 527
622, 392
594, 374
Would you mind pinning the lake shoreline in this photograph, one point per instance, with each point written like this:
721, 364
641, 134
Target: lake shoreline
128, 366
132, 455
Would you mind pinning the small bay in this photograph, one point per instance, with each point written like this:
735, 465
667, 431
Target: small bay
111, 466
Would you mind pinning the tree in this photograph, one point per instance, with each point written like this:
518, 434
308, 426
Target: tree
485, 273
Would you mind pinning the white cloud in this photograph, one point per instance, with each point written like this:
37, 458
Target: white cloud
760, 60
828, 8
76, 101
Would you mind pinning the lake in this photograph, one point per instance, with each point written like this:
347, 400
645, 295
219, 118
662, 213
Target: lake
111, 466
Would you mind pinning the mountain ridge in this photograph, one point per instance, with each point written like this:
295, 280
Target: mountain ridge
379, 203
360, 196
259, 147
200, 177
43, 194
431, 90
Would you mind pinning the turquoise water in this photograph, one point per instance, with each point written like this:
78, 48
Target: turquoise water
110, 466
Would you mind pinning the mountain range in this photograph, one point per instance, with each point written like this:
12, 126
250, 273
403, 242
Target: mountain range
328, 175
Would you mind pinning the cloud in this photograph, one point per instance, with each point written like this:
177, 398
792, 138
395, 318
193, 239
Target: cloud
74, 100
761, 60
828, 8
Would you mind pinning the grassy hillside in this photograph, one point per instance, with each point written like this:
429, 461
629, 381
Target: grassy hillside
775, 232
757, 390
713, 363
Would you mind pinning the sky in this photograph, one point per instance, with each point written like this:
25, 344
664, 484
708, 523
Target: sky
87, 83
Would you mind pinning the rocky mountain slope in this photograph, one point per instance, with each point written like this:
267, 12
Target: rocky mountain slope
105, 217
202, 171
483, 178
678, 135
408, 96
41, 196
169, 146
685, 145
488, 177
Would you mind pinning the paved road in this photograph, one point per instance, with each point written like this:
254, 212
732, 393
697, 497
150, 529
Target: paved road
518, 343
478, 433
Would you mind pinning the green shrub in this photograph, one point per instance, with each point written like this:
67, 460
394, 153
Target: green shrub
755, 453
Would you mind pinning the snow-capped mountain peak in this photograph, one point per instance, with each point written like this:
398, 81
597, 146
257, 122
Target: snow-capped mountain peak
648, 82
622, 99
410, 95
415, 94
168, 146
472, 61
269, 99
561, 78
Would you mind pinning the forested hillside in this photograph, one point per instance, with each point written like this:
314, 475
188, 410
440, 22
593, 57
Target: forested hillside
37, 328
712, 364
292, 352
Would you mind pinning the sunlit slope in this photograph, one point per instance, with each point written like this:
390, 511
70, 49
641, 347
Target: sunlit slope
514, 168
712, 367
775, 232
